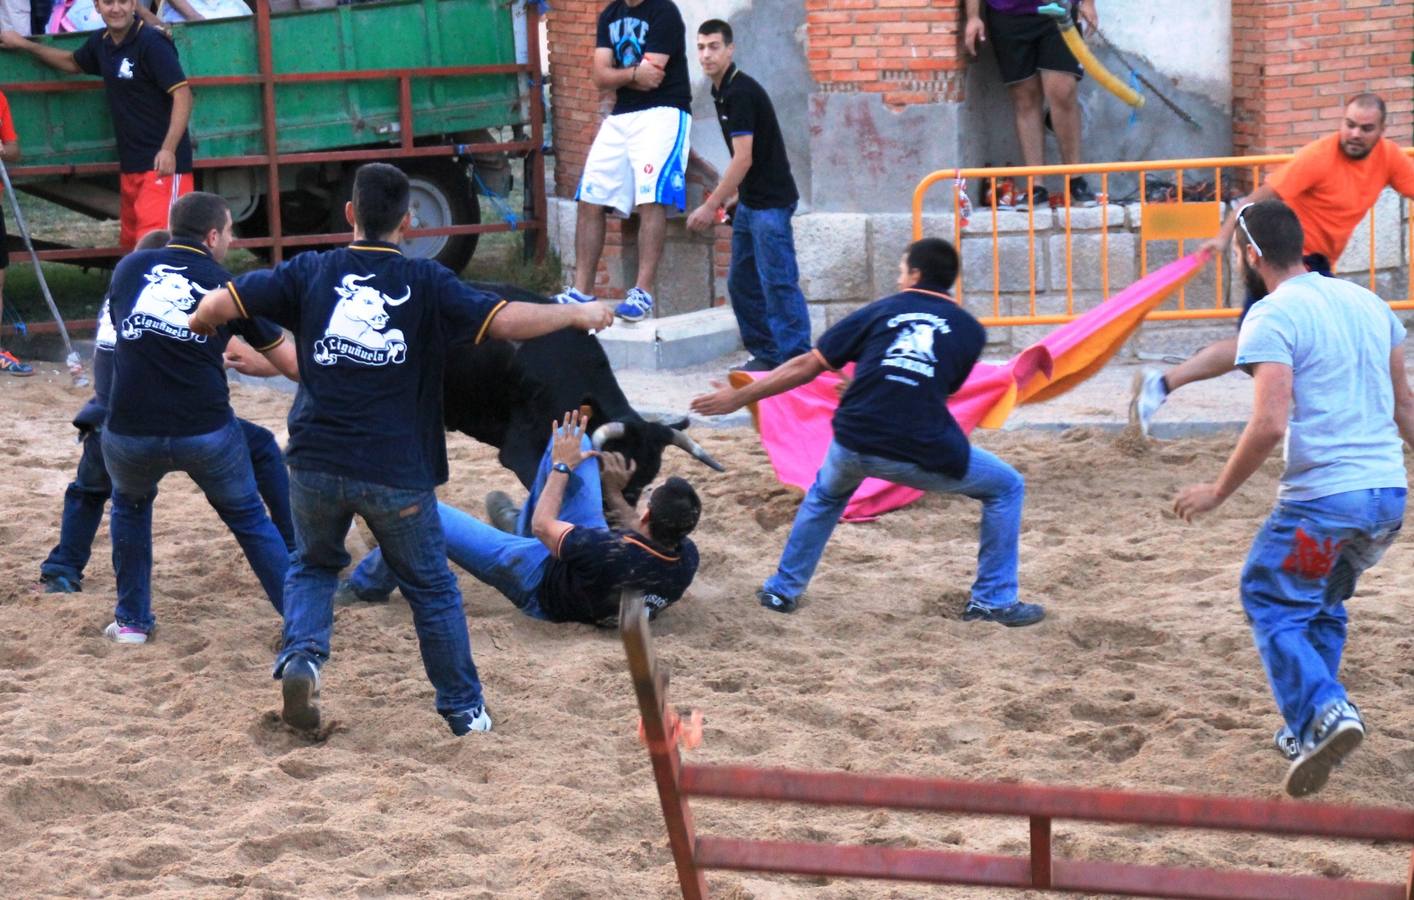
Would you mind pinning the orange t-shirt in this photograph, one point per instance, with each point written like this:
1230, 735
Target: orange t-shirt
1330, 192
7, 128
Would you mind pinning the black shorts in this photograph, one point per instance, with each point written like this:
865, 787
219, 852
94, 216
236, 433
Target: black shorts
1027, 44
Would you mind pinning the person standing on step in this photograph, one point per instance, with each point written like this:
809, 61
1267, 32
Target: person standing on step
638, 161
1327, 362
1330, 184
911, 352
763, 280
373, 329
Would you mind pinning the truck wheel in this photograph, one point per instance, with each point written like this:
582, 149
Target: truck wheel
442, 195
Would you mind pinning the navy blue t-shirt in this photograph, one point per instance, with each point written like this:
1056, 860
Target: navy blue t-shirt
911, 352
653, 26
372, 328
139, 75
583, 581
167, 380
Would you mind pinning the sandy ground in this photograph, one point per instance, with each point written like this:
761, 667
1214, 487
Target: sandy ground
162, 770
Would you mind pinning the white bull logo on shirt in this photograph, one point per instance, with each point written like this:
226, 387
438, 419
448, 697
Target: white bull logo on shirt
916, 342
163, 305
355, 328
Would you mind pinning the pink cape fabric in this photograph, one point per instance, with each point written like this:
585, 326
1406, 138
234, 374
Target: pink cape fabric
795, 426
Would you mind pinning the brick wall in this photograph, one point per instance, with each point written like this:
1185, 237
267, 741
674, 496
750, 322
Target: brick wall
907, 50
576, 101
1293, 63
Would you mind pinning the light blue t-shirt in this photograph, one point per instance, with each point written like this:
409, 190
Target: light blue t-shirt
1337, 338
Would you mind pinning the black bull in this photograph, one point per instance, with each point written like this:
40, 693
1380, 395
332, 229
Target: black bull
507, 394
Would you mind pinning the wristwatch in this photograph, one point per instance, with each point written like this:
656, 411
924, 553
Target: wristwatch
561, 467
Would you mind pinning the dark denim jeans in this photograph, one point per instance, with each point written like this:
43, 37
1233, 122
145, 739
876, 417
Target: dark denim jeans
764, 284
88, 493
1301, 569
513, 564
219, 463
410, 539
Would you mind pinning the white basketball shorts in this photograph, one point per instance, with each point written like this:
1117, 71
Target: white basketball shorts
638, 157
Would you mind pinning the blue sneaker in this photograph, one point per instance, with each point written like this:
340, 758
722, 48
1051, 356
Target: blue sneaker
1013, 616
54, 583
347, 594
571, 295
637, 305
469, 720
299, 687
10, 363
1337, 731
778, 602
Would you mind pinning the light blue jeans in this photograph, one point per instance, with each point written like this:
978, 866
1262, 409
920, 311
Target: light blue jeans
513, 564
999, 487
1301, 569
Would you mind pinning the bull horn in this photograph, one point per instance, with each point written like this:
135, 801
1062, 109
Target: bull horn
401, 300
352, 281
680, 439
607, 432
164, 269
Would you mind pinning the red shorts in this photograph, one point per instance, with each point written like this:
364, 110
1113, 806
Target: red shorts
147, 200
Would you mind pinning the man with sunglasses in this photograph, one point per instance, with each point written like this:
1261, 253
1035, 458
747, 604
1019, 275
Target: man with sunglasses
1327, 361
559, 559
1330, 185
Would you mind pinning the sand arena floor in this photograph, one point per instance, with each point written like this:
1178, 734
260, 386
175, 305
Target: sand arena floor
162, 770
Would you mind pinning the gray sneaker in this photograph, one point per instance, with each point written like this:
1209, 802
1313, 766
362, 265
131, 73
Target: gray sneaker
502, 512
1287, 744
1149, 394
1336, 734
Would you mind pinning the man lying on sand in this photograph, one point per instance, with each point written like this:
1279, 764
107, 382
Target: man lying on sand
559, 559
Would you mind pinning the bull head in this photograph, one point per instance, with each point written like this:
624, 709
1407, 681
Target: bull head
350, 285
611, 430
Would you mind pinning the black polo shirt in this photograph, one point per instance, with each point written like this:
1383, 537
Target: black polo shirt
139, 75
653, 26
583, 580
911, 352
167, 380
743, 108
372, 328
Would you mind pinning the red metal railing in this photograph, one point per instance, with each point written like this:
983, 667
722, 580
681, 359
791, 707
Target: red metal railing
530, 150
694, 855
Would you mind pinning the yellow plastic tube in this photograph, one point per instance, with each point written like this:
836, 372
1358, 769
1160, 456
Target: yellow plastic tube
1076, 43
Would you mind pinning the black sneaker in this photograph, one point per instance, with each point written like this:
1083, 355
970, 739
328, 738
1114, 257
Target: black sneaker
1337, 732
779, 603
299, 687
1014, 616
1080, 193
754, 364
502, 512
1040, 199
61, 584
469, 720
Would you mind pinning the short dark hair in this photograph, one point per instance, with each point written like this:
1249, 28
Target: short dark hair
195, 214
1276, 231
380, 199
158, 237
716, 26
936, 261
673, 511
1368, 100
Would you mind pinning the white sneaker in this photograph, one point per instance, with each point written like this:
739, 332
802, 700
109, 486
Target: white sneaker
1149, 394
469, 720
571, 295
124, 634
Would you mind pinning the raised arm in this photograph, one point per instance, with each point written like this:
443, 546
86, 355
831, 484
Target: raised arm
803, 369
215, 309
52, 57
523, 321
545, 522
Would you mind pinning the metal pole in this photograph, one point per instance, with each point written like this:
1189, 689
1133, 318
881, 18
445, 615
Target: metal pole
71, 358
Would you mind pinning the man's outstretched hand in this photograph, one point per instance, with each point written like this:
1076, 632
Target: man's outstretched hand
569, 436
720, 402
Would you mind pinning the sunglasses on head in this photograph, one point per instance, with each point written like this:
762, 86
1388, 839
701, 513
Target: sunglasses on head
1240, 221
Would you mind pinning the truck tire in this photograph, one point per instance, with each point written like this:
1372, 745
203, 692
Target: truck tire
442, 195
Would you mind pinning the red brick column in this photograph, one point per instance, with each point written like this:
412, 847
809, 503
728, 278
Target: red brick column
908, 50
1294, 62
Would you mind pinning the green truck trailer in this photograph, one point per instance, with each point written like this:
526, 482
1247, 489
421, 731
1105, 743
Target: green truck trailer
444, 88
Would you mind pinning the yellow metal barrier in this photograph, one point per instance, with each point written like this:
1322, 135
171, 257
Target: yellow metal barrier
1179, 220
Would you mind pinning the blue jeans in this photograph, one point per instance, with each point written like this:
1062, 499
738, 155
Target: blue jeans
1301, 569
219, 463
513, 564
996, 484
764, 284
88, 493
409, 535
